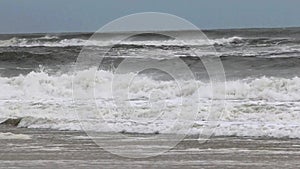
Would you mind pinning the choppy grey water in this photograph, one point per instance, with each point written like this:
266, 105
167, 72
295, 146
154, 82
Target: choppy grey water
261, 67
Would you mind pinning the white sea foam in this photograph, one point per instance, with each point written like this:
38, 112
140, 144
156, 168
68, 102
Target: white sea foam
12, 136
35, 42
265, 106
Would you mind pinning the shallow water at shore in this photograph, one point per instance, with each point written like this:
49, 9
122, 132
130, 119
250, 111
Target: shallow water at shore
69, 149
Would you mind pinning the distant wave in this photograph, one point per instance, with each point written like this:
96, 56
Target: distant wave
53, 41
230, 46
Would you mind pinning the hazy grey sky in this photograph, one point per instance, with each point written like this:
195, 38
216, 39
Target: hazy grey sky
90, 15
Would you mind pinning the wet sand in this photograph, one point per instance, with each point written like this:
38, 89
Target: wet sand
69, 149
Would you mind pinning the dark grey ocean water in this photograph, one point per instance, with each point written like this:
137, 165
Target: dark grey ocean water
244, 52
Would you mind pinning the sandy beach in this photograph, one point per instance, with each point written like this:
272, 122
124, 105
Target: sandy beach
38, 148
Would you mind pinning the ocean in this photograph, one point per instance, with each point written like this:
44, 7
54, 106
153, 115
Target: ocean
262, 97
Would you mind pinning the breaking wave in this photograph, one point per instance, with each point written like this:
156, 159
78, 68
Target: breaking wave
265, 106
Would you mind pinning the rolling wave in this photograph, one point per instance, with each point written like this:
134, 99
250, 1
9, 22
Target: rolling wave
45, 101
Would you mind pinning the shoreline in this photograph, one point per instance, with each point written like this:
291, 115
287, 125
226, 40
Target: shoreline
72, 149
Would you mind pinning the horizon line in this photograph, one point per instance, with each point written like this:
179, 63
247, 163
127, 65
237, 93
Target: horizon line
91, 32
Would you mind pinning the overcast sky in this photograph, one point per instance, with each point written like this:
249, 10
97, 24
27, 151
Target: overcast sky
18, 16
